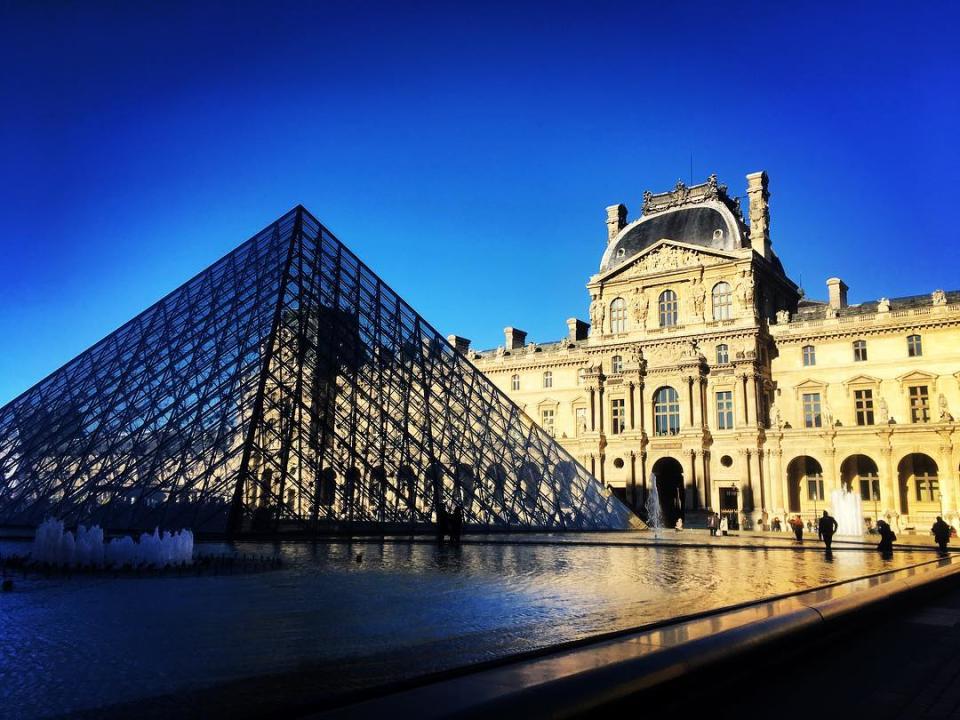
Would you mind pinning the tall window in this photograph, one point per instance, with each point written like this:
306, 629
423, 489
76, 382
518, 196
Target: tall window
863, 403
618, 415
580, 375
667, 306
814, 487
581, 416
809, 356
618, 315
914, 346
919, 404
548, 379
811, 410
546, 421
860, 351
722, 301
725, 410
869, 487
666, 412
616, 364
928, 488
723, 354
515, 382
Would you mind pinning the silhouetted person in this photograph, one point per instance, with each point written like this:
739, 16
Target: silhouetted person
712, 523
797, 524
887, 536
456, 524
941, 533
442, 524
826, 528
775, 525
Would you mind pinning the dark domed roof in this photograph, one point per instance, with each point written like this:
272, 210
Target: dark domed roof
705, 224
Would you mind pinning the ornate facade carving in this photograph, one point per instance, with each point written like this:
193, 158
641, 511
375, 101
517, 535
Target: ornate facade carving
670, 257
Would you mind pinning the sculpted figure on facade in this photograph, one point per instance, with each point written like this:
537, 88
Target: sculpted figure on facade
698, 297
945, 415
883, 306
638, 307
939, 297
776, 421
745, 292
826, 415
597, 312
783, 317
883, 411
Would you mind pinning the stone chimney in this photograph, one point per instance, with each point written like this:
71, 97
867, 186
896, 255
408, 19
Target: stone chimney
460, 344
577, 329
616, 221
758, 197
515, 339
837, 290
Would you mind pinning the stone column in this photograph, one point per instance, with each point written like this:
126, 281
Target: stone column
632, 490
751, 401
889, 483
747, 501
601, 407
691, 415
593, 410
707, 490
694, 482
740, 400
696, 403
633, 423
643, 411
775, 460
948, 475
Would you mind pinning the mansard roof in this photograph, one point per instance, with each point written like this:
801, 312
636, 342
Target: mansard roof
697, 215
816, 309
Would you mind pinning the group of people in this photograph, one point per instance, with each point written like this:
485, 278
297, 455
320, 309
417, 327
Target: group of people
450, 524
827, 528
717, 524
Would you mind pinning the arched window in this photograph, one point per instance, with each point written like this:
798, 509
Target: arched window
618, 315
723, 354
515, 382
667, 306
548, 379
722, 301
666, 411
616, 364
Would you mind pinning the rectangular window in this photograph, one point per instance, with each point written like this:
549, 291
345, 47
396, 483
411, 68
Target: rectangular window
548, 379
546, 421
919, 404
914, 346
515, 382
725, 410
814, 487
809, 355
618, 415
581, 420
869, 488
863, 401
811, 410
928, 488
616, 364
860, 351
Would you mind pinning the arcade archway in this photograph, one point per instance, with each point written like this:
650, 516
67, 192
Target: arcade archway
669, 478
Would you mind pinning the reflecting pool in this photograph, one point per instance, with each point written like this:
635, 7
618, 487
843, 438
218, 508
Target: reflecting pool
341, 616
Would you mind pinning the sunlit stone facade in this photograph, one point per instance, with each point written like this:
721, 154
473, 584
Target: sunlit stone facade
704, 364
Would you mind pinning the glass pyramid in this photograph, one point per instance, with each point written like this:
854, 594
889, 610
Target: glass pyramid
286, 388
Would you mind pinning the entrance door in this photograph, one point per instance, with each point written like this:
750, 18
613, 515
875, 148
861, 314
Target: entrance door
729, 507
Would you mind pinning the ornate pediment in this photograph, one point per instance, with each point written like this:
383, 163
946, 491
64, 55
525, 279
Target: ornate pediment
666, 256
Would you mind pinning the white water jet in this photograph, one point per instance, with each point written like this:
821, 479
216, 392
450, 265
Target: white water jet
848, 511
654, 513
53, 546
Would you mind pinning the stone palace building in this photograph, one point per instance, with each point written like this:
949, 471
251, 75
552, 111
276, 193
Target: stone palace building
704, 365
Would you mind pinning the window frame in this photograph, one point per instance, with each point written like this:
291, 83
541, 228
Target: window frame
723, 354
549, 427
618, 415
666, 410
919, 404
812, 419
514, 382
860, 351
547, 379
668, 308
618, 315
809, 358
722, 301
723, 403
914, 345
863, 408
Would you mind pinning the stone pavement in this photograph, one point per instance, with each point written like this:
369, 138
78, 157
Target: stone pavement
902, 664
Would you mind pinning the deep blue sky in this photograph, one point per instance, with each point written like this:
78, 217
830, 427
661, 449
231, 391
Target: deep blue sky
465, 153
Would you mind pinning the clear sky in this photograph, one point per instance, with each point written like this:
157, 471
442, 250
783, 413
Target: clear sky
465, 151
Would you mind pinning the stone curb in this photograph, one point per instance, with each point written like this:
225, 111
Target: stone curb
583, 679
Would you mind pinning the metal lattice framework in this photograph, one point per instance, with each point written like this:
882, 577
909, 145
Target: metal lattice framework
286, 387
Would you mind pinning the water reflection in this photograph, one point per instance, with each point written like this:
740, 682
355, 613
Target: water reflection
404, 609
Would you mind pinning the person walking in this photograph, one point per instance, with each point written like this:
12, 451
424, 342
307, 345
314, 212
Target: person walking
941, 533
826, 529
887, 536
797, 524
712, 524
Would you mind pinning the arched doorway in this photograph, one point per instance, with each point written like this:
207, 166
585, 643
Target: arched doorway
919, 485
859, 474
805, 491
669, 475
